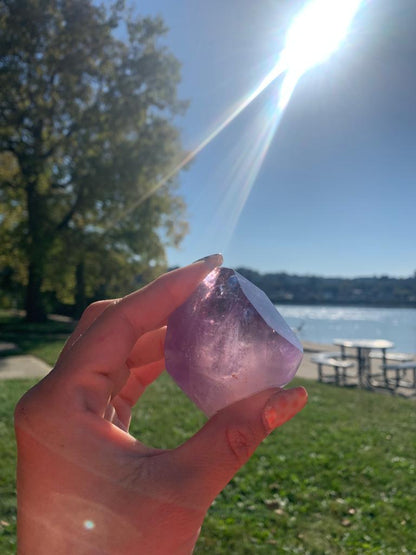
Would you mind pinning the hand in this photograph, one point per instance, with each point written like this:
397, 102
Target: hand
85, 485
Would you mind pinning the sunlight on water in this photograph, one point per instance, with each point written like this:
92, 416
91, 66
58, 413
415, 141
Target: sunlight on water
322, 324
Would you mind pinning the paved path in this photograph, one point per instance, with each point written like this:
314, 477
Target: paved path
15, 366
22, 366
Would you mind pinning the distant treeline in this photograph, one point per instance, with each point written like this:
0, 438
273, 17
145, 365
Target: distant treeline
284, 288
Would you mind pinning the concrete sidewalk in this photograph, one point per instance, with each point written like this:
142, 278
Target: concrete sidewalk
22, 366
14, 366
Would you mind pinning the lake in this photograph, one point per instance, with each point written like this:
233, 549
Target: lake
322, 324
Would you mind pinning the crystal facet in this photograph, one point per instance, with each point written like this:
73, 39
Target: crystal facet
228, 341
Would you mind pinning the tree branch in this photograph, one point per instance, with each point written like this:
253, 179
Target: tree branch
69, 215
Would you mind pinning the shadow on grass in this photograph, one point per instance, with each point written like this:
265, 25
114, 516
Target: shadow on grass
44, 340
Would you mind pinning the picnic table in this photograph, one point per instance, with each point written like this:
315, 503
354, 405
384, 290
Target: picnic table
363, 348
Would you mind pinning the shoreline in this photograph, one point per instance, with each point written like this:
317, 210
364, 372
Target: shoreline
19, 366
340, 304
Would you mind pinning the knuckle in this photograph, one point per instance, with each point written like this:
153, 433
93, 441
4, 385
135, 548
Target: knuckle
20, 412
165, 283
242, 443
42, 412
92, 311
24, 411
134, 328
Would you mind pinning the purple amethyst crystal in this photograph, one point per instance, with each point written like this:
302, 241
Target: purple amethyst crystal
228, 341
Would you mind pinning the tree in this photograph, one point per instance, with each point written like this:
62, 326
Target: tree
88, 100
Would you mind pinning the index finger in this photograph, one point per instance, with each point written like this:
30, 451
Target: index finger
104, 348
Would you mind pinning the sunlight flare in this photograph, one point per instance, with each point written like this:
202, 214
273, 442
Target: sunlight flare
316, 32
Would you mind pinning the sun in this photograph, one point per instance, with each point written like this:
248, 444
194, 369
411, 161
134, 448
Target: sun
316, 32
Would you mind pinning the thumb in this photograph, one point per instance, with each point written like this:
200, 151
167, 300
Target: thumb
226, 442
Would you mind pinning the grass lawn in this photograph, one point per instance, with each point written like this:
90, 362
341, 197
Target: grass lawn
339, 478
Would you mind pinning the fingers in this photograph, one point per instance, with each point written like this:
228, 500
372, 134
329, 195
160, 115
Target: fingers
100, 354
148, 348
139, 379
227, 441
146, 363
134, 387
90, 314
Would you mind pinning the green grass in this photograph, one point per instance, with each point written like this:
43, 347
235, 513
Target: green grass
10, 392
339, 478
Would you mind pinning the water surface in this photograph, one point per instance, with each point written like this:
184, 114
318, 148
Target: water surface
322, 324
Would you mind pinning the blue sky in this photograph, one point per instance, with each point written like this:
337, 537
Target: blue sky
335, 194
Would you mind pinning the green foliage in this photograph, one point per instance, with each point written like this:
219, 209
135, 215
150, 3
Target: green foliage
86, 131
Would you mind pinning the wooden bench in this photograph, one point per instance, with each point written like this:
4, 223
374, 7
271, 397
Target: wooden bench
333, 361
394, 357
386, 358
401, 372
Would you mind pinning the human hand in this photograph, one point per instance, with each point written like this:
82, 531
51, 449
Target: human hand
85, 485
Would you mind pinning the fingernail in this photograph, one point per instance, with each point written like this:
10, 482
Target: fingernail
283, 406
212, 259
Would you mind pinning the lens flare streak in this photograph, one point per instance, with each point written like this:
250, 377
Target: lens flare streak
242, 105
244, 170
314, 35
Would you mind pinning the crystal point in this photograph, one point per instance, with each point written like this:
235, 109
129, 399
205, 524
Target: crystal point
228, 341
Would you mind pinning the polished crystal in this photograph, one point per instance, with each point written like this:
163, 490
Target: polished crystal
228, 341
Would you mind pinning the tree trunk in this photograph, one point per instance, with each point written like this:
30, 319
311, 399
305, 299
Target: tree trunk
36, 254
35, 311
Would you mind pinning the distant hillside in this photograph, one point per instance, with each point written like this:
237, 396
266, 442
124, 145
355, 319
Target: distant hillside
284, 288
